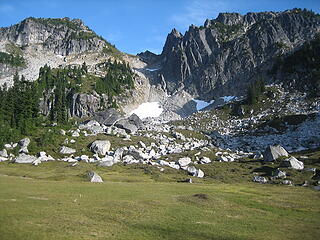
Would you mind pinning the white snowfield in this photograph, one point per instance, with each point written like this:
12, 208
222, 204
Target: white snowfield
148, 109
202, 104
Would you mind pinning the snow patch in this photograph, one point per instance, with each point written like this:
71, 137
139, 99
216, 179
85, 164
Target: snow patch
202, 104
228, 98
148, 109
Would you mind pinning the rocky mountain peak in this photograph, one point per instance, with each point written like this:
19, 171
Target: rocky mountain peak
230, 52
229, 18
175, 33
61, 36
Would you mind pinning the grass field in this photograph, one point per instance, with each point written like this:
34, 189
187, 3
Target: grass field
54, 201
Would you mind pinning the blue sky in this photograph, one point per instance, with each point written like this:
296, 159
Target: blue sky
138, 25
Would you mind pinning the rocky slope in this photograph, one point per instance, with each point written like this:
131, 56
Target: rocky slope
60, 43
226, 54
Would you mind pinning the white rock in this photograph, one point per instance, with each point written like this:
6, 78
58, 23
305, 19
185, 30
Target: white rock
142, 145
94, 177
8, 146
24, 142
75, 134
24, 158
259, 179
42, 154
205, 160
2, 159
67, 150
200, 173
4, 153
24, 150
293, 163
36, 162
272, 153
185, 161
100, 147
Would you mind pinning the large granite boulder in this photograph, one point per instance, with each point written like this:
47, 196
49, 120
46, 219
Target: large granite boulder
185, 161
94, 177
24, 158
100, 147
195, 172
293, 163
67, 150
272, 153
128, 126
135, 120
108, 117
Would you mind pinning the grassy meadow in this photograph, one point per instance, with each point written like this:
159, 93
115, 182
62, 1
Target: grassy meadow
55, 201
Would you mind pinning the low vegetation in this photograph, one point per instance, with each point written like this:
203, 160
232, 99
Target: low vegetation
11, 59
53, 201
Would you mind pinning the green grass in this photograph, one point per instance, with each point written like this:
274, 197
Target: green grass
144, 209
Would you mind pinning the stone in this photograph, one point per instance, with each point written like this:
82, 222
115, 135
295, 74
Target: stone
100, 147
36, 162
199, 174
75, 134
195, 172
135, 120
2, 159
42, 154
223, 159
24, 150
179, 136
287, 182
142, 144
108, 117
259, 179
4, 153
117, 156
128, 159
93, 126
185, 161
127, 126
107, 161
84, 158
24, 142
62, 132
8, 146
293, 163
272, 153
94, 177
67, 150
87, 124
279, 174
205, 160
24, 158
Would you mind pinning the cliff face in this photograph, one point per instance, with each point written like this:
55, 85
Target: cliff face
59, 36
228, 53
